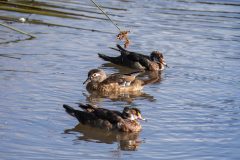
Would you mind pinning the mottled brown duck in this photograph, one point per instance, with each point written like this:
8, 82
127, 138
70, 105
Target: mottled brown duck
99, 81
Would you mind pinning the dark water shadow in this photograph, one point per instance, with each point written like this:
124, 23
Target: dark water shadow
125, 141
55, 9
16, 40
8, 56
13, 19
120, 69
14, 70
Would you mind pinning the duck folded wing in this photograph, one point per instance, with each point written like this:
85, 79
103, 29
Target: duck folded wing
87, 107
123, 51
83, 117
94, 108
126, 52
145, 63
119, 79
86, 117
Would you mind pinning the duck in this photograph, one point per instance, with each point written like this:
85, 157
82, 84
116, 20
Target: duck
154, 62
111, 120
99, 81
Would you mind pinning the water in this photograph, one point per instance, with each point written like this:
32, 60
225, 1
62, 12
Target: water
193, 112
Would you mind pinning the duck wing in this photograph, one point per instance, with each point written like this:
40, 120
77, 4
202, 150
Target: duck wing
87, 107
145, 62
93, 108
130, 54
121, 79
87, 117
115, 60
124, 51
134, 57
83, 117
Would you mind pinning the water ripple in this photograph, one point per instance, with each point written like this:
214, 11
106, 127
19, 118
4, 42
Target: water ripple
193, 111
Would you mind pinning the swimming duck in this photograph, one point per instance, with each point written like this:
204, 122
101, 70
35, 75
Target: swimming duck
154, 62
115, 83
125, 121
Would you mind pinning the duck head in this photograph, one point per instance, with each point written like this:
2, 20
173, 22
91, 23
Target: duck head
132, 114
95, 75
157, 56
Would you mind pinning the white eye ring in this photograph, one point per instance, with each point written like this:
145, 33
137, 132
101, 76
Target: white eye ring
132, 117
96, 74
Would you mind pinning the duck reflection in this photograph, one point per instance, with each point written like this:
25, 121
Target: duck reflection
125, 141
96, 97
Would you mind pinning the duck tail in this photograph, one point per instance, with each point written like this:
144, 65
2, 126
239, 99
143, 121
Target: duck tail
121, 48
83, 117
71, 111
104, 57
87, 107
115, 49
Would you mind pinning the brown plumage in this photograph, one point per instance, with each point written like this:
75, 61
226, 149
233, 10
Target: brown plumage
125, 121
115, 83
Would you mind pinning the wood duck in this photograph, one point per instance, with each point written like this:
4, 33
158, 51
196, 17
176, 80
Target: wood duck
125, 121
154, 62
115, 83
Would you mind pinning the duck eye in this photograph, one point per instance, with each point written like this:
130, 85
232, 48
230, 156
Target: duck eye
95, 75
156, 58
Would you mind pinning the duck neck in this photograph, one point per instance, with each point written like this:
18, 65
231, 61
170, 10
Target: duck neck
161, 66
91, 86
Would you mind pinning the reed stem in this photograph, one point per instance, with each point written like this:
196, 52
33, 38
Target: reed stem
17, 30
105, 14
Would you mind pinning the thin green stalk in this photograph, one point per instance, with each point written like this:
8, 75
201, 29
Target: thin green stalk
105, 14
17, 30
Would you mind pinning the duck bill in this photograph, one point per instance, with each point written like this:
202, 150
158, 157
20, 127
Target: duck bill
164, 63
141, 118
87, 80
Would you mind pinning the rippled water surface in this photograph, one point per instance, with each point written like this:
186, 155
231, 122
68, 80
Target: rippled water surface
193, 112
